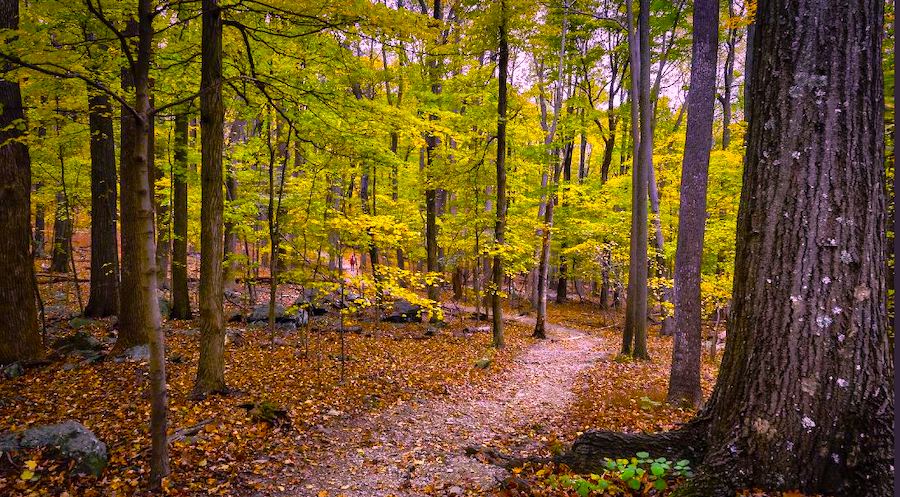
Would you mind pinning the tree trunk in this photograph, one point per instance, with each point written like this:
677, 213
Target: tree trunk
181, 303
803, 399
728, 78
211, 367
634, 338
62, 236
500, 226
39, 227
562, 284
104, 291
161, 210
684, 380
19, 336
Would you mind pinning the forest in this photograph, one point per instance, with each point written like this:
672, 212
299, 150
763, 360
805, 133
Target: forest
448, 248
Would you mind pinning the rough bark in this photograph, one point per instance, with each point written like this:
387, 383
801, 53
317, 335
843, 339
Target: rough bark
500, 225
104, 289
181, 303
684, 380
803, 397
19, 336
62, 236
211, 367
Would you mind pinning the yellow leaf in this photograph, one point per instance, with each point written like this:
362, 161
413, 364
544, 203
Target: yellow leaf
31, 465
27, 475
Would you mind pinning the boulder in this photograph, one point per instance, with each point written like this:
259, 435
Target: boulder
80, 322
261, 313
312, 302
70, 438
138, 353
13, 370
79, 341
404, 312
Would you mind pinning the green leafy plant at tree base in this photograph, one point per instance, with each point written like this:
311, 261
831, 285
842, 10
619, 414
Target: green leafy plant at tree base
634, 476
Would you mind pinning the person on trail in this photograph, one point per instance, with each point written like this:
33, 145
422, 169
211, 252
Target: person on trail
353, 263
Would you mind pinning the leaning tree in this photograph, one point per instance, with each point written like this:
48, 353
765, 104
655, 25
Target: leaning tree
804, 395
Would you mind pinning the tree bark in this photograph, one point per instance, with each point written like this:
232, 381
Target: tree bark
803, 398
684, 380
19, 336
500, 226
62, 236
181, 303
211, 367
728, 77
104, 290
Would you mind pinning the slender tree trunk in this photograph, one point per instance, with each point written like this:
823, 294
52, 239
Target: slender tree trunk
19, 336
500, 226
562, 284
39, 227
181, 303
684, 380
162, 212
62, 236
104, 290
211, 367
803, 400
728, 78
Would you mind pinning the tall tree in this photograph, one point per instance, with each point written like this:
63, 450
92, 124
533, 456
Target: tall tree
104, 290
432, 141
684, 381
804, 399
181, 303
634, 338
211, 368
19, 337
728, 75
500, 226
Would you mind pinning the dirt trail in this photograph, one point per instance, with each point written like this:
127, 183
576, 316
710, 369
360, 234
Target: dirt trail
420, 444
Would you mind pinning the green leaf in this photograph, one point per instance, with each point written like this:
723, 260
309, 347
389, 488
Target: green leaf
643, 455
659, 484
634, 483
627, 474
657, 469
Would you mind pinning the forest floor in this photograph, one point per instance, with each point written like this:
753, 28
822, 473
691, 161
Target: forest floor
419, 447
397, 421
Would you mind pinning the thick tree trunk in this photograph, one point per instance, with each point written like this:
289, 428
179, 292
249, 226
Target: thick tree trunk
62, 236
211, 367
684, 381
803, 399
181, 303
500, 225
19, 337
104, 290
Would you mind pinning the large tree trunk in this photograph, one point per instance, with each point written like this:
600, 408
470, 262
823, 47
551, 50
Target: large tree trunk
211, 367
804, 397
181, 303
684, 381
500, 225
62, 236
19, 337
104, 290
634, 338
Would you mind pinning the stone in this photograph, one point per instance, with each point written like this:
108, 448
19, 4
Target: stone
261, 313
164, 307
13, 370
455, 491
483, 363
138, 353
404, 312
311, 301
75, 342
70, 438
80, 322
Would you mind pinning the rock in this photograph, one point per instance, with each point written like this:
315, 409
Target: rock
261, 313
234, 337
281, 342
483, 363
311, 302
286, 326
13, 370
455, 491
138, 353
78, 341
80, 322
232, 294
164, 308
404, 312
334, 412
235, 317
70, 438
350, 298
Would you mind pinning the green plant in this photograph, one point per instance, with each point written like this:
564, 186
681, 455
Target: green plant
639, 473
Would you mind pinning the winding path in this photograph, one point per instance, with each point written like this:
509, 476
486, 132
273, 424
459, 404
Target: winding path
417, 448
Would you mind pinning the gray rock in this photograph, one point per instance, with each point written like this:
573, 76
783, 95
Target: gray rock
13, 370
404, 312
455, 491
164, 308
261, 313
78, 341
80, 322
483, 363
70, 438
138, 353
